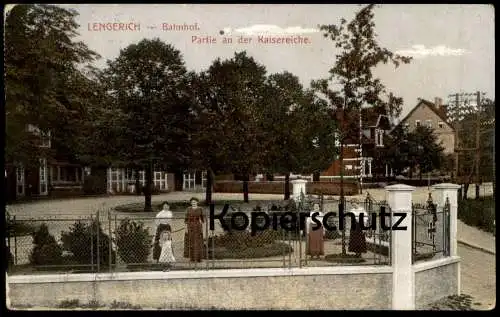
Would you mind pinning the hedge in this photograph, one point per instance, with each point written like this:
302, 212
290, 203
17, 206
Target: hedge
278, 187
479, 213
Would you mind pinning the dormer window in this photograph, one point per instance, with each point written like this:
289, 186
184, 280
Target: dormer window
379, 137
441, 124
44, 136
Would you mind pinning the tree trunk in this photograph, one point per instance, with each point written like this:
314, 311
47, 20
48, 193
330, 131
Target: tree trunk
209, 189
316, 177
178, 179
148, 189
287, 186
477, 190
245, 188
138, 190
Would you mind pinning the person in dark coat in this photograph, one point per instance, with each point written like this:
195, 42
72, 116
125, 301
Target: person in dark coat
357, 238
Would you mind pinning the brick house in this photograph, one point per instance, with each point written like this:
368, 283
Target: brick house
360, 146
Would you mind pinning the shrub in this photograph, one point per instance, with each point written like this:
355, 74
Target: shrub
478, 213
93, 185
46, 250
133, 241
81, 240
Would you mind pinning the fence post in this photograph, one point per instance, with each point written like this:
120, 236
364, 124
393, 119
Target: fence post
403, 288
15, 243
450, 191
98, 227
110, 243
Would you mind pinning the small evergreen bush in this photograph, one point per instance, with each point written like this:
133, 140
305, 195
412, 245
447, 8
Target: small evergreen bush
81, 240
46, 251
93, 185
133, 241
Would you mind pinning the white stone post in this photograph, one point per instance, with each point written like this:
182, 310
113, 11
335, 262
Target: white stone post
450, 191
403, 280
299, 186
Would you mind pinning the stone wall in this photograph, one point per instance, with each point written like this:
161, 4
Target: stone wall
337, 291
435, 283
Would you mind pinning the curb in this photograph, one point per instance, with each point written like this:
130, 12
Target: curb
477, 247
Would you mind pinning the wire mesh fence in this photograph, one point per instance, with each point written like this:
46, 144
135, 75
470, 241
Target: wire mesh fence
275, 235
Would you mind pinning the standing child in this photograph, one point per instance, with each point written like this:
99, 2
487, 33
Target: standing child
167, 254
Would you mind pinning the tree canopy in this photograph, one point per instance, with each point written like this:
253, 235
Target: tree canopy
45, 82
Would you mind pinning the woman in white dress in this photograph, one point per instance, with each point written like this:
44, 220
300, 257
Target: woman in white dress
162, 225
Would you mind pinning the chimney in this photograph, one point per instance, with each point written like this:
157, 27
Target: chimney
438, 102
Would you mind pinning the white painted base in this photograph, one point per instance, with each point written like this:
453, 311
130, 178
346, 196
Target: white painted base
89, 277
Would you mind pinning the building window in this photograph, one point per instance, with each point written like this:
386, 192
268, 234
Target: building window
428, 123
348, 167
406, 125
379, 137
45, 137
441, 124
417, 123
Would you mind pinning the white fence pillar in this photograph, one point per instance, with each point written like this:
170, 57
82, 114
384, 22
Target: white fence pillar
450, 192
299, 186
403, 285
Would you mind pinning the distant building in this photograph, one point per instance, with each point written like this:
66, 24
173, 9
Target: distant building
432, 115
360, 148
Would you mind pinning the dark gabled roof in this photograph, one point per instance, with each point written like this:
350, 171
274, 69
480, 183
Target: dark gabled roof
431, 106
371, 117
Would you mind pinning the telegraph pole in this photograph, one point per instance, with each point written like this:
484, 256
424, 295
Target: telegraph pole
458, 112
478, 141
361, 162
342, 205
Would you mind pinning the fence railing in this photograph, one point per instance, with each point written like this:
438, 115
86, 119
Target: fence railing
430, 230
110, 241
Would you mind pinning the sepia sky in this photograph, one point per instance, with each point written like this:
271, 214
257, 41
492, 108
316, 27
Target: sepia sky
453, 45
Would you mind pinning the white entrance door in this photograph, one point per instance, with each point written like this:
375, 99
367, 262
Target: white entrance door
189, 181
20, 181
43, 178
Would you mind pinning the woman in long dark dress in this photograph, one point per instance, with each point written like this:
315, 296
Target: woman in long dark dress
357, 239
315, 242
193, 238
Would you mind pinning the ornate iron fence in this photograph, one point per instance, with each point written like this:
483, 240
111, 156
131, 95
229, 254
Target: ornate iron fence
111, 241
430, 230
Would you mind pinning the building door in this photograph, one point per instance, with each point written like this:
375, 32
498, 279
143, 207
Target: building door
19, 183
43, 188
32, 187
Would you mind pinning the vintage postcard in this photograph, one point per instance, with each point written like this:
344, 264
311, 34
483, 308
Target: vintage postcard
249, 156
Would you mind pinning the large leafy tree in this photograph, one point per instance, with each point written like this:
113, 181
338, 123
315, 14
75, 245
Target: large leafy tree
150, 90
352, 74
45, 84
284, 93
229, 116
411, 150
